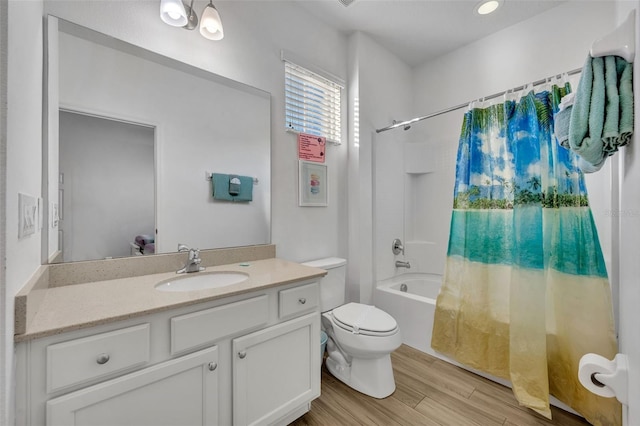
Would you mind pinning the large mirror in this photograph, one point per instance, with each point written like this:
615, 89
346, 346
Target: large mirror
133, 138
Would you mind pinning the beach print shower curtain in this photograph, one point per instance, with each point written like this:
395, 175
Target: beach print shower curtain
525, 291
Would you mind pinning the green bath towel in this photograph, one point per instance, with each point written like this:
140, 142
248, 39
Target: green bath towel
602, 114
620, 134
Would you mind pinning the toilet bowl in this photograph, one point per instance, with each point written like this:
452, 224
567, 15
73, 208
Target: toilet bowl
360, 349
360, 337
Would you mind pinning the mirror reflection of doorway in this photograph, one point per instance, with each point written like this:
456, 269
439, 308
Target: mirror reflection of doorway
107, 187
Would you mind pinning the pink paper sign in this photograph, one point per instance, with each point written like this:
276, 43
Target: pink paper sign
311, 148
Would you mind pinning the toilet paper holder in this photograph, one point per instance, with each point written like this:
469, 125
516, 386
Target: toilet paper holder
604, 377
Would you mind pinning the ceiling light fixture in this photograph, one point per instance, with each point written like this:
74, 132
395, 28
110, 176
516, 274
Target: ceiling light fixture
211, 25
172, 12
488, 6
176, 14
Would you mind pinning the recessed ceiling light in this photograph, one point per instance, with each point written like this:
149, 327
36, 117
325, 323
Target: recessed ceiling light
487, 6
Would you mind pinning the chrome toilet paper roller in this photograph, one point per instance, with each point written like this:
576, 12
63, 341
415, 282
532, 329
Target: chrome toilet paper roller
607, 378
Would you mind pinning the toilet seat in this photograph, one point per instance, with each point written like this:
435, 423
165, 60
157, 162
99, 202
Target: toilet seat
364, 319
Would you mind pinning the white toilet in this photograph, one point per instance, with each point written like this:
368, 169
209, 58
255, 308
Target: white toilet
360, 337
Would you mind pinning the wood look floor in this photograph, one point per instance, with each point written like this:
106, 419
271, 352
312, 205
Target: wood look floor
428, 392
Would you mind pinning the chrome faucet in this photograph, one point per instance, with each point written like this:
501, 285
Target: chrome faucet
193, 262
401, 264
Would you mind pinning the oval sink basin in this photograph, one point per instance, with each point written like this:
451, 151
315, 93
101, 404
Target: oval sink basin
202, 281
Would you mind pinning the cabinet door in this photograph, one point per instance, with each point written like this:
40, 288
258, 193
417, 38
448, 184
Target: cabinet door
276, 370
183, 391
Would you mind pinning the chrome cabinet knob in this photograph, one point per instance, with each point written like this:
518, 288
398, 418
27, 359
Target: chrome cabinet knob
103, 359
212, 366
242, 354
302, 300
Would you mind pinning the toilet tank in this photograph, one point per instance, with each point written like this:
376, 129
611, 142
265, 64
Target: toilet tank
333, 286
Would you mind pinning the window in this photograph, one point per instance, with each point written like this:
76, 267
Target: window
312, 103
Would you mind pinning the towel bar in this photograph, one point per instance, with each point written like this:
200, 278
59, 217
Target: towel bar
620, 42
208, 176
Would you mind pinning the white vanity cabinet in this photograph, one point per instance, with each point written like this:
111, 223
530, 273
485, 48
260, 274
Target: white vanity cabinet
183, 391
252, 358
275, 371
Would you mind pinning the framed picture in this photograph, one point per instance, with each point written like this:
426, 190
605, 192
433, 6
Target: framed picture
312, 184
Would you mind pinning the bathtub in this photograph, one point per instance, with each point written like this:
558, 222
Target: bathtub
411, 300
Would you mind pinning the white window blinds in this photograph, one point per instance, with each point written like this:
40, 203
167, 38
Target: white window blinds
312, 103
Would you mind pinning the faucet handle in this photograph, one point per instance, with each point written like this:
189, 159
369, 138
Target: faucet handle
397, 247
182, 247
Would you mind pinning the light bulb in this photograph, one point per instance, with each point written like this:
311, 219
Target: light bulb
172, 12
487, 7
210, 23
211, 27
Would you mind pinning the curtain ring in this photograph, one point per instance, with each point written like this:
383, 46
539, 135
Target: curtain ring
507, 95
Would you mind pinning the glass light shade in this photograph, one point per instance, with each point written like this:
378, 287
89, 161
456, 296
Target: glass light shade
211, 24
487, 7
172, 12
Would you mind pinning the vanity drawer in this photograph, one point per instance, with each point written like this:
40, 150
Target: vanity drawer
76, 361
298, 299
206, 327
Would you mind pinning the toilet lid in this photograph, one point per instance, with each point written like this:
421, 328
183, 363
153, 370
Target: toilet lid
364, 319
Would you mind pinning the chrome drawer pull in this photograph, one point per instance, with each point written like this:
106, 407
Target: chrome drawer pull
102, 359
242, 354
302, 300
212, 366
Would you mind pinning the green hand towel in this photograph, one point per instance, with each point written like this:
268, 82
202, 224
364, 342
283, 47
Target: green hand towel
623, 131
561, 126
626, 101
246, 189
612, 108
602, 115
587, 114
221, 187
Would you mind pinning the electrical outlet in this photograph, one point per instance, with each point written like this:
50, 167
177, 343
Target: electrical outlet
27, 215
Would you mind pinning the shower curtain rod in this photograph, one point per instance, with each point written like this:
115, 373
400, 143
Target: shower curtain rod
407, 124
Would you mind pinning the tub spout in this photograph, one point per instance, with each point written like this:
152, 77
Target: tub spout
401, 264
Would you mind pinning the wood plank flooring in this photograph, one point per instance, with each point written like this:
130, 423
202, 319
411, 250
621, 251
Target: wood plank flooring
429, 392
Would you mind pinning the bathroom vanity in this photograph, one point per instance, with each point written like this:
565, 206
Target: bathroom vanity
247, 353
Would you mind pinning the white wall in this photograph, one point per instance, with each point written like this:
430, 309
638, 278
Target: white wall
23, 172
375, 186
4, 333
108, 169
255, 32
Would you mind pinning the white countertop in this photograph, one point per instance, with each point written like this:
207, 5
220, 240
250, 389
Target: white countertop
80, 306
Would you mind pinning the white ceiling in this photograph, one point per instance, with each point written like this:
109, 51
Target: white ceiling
420, 30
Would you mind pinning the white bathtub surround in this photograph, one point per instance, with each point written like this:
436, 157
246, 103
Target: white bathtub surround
413, 309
